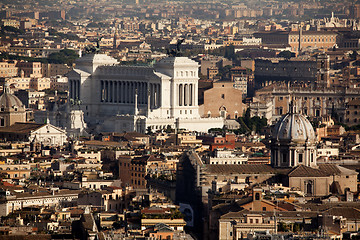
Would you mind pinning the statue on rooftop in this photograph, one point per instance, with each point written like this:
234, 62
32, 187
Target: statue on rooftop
93, 49
176, 52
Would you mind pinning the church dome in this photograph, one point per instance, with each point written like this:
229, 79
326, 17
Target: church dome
294, 127
10, 103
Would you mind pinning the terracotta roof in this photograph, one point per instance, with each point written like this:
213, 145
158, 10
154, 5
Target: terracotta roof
304, 171
100, 143
234, 168
347, 212
280, 215
22, 128
329, 205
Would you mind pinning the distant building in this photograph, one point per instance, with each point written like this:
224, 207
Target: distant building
223, 100
117, 98
352, 115
308, 39
268, 71
45, 134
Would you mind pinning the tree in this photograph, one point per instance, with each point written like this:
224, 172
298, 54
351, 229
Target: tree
230, 52
282, 227
285, 54
169, 129
224, 72
248, 124
65, 56
353, 55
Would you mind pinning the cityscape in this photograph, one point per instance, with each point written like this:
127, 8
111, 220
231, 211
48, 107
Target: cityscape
153, 120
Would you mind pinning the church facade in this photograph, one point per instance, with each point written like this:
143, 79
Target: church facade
133, 98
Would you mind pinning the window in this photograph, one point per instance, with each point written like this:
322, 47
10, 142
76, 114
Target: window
284, 157
300, 158
223, 96
264, 208
257, 196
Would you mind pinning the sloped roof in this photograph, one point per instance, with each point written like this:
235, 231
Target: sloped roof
235, 168
347, 212
162, 227
324, 170
22, 128
304, 171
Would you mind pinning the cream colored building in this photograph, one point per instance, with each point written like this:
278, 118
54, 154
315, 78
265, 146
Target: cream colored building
17, 201
237, 226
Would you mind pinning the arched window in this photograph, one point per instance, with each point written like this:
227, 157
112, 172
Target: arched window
309, 188
222, 112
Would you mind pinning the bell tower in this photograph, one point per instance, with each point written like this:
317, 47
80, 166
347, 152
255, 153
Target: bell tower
323, 66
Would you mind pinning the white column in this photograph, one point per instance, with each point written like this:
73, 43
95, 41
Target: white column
144, 92
122, 84
151, 95
126, 92
131, 92
106, 91
76, 88
113, 91
195, 95
108, 96
101, 90
191, 95
109, 91
74, 83
159, 95
118, 92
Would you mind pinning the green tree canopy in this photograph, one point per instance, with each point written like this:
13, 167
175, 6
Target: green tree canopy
286, 54
65, 56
